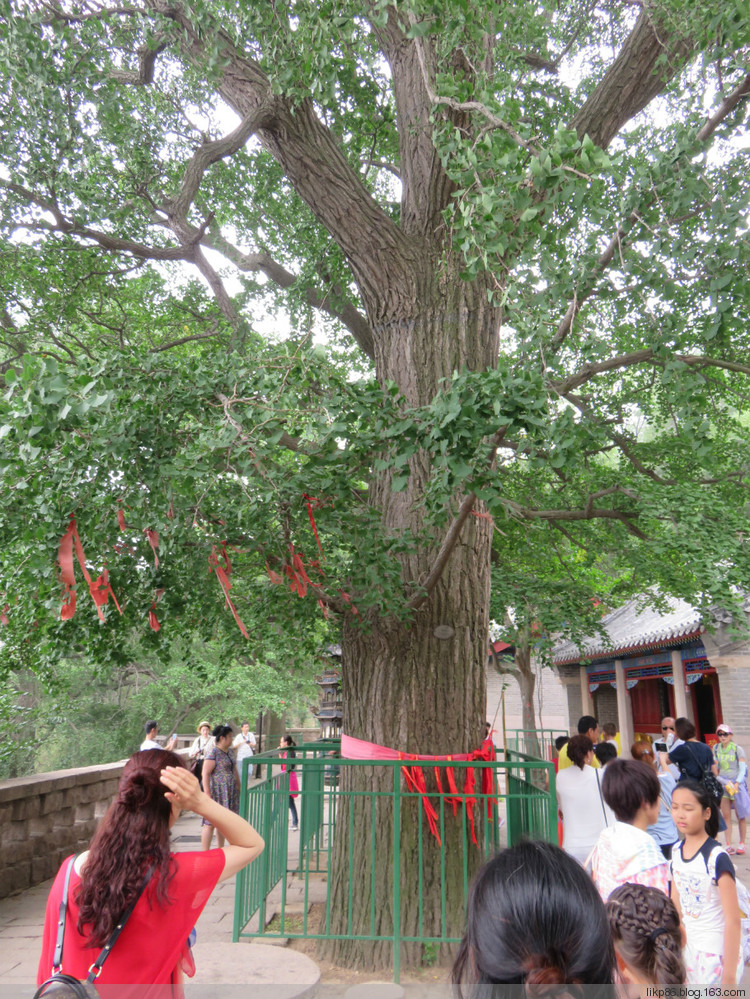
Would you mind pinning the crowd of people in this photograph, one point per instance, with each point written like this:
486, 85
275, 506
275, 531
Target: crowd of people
640, 891
651, 820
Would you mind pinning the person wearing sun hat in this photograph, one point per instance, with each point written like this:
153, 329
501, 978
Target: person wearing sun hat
200, 747
732, 764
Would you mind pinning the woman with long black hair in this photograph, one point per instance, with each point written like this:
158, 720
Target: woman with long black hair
534, 917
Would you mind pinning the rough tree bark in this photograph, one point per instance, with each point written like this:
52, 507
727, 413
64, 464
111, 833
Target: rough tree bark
404, 687
527, 684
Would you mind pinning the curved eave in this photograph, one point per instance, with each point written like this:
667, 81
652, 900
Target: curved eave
627, 650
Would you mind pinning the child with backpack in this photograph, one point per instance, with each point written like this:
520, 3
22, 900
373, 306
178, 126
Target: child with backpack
704, 890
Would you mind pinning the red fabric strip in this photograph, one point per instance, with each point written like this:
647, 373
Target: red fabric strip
101, 590
222, 574
310, 500
67, 573
153, 540
69, 543
469, 802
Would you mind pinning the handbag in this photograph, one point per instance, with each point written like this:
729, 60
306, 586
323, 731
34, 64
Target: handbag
710, 781
62, 986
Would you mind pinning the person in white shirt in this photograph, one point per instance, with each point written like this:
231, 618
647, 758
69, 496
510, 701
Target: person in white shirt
245, 744
152, 730
580, 801
668, 736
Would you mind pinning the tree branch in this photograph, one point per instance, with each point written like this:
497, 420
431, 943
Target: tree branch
449, 543
589, 371
147, 57
647, 61
452, 535
618, 241
103, 239
262, 262
211, 152
588, 513
311, 157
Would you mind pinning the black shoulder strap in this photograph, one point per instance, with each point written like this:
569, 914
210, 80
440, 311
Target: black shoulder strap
96, 967
705, 767
57, 959
601, 797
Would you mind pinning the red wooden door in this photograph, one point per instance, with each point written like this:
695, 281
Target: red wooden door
644, 698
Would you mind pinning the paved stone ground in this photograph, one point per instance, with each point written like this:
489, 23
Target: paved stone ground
284, 972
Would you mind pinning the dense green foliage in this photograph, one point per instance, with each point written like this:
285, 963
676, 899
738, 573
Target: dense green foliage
143, 263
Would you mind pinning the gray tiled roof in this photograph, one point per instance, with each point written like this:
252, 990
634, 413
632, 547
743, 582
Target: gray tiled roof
630, 628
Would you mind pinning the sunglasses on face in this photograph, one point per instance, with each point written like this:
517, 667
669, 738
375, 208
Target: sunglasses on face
667, 728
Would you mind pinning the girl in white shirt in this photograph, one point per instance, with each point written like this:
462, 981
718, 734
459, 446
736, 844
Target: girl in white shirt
704, 890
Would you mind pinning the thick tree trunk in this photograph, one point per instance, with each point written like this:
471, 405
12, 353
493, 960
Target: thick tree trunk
403, 686
527, 684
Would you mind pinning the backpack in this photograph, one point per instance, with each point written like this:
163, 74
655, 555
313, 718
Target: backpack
710, 781
743, 899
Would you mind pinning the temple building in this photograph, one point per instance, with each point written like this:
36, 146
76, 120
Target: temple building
654, 663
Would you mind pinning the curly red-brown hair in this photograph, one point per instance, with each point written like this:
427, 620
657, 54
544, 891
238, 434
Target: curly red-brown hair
132, 836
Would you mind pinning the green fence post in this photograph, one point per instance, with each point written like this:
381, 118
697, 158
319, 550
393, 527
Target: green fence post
396, 874
266, 855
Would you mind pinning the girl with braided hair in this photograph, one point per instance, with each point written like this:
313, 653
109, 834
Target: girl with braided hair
647, 935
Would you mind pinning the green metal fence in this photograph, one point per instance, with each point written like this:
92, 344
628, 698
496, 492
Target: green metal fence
287, 891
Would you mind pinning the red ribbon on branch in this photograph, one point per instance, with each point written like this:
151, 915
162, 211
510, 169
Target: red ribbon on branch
348, 600
222, 574
99, 589
153, 620
153, 540
313, 503
298, 578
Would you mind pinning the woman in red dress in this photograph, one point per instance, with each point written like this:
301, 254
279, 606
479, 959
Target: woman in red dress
134, 836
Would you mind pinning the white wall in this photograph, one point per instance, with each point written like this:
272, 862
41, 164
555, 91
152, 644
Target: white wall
550, 701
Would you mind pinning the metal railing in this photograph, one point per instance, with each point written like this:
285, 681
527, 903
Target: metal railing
536, 742
367, 813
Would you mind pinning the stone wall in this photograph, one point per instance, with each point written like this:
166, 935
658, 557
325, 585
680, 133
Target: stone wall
46, 817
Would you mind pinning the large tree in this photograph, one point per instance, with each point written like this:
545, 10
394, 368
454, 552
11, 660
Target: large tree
473, 197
